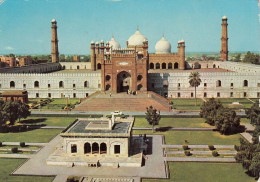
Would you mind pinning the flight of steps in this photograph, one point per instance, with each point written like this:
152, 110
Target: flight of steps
123, 102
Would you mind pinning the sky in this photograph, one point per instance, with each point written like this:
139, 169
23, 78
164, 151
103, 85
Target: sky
25, 25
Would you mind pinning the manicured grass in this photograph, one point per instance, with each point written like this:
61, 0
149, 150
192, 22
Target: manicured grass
37, 135
173, 122
195, 137
186, 104
245, 103
56, 104
204, 172
244, 120
49, 121
8, 165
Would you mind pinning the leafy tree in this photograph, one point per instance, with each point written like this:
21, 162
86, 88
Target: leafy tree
226, 120
237, 58
208, 110
152, 116
252, 58
194, 80
254, 113
10, 111
23, 110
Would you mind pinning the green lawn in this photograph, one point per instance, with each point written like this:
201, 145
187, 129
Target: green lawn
37, 135
204, 172
195, 137
245, 103
173, 122
49, 121
186, 104
8, 165
56, 104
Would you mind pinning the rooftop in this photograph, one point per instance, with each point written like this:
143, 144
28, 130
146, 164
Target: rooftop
97, 127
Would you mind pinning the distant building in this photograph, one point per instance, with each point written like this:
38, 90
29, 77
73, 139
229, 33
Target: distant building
7, 61
115, 69
76, 58
25, 60
14, 95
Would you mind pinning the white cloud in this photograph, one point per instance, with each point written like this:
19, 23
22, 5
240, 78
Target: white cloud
9, 48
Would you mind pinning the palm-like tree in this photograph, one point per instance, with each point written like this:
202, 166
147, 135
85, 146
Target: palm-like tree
194, 80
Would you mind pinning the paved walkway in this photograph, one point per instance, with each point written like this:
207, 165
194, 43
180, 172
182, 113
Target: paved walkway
201, 159
200, 146
247, 136
174, 128
53, 127
248, 126
203, 152
26, 143
22, 156
173, 112
60, 178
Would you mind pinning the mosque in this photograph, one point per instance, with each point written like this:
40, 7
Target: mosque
115, 69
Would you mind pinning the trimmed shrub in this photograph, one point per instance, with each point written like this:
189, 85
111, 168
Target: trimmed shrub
187, 153
14, 150
1, 144
185, 147
211, 147
214, 153
22, 144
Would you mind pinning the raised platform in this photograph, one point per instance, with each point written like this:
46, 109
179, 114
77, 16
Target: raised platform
123, 102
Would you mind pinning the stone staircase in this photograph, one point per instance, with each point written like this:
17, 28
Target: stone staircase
123, 102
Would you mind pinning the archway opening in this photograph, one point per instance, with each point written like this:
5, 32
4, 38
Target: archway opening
170, 66
95, 148
87, 148
99, 66
103, 148
157, 65
176, 66
164, 66
123, 82
151, 66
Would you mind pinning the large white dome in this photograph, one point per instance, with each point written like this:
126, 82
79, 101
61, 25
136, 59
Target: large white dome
136, 39
163, 46
114, 44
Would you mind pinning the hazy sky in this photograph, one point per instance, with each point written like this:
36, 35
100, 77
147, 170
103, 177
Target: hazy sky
25, 24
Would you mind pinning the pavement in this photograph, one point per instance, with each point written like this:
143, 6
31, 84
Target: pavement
174, 128
201, 159
26, 143
203, 152
247, 136
21, 156
200, 146
173, 112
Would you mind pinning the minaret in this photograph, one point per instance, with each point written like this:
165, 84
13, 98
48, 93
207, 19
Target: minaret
181, 52
224, 40
54, 42
93, 56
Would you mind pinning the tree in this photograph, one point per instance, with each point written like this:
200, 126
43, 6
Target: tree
208, 110
10, 111
194, 80
152, 116
252, 58
254, 113
226, 120
23, 110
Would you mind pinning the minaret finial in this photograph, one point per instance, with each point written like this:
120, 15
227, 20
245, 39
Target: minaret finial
163, 34
137, 28
112, 35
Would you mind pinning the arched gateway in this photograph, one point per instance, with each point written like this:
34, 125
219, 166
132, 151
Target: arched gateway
123, 81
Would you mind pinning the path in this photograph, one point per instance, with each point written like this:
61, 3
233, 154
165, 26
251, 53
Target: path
21, 156
200, 146
203, 152
201, 159
26, 143
174, 129
247, 136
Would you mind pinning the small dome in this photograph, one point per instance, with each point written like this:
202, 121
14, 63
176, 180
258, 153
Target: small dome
53, 21
163, 46
136, 39
101, 41
92, 42
114, 44
97, 43
224, 18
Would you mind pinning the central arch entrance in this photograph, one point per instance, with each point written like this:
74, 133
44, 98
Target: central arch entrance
123, 81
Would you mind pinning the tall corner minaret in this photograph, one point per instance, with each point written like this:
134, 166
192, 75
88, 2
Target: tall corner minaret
54, 42
224, 40
181, 52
